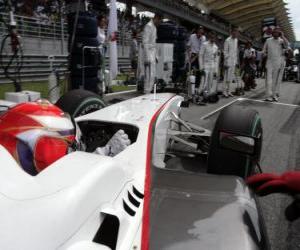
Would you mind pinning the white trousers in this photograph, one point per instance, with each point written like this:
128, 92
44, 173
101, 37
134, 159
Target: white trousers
209, 84
229, 76
274, 78
150, 74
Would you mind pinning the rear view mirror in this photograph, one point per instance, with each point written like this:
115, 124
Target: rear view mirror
240, 143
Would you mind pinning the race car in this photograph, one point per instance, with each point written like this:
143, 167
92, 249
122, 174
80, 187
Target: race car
136, 199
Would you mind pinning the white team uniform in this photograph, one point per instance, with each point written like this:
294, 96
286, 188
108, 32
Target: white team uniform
274, 49
230, 61
208, 61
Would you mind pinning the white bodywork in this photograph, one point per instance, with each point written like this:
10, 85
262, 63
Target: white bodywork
64, 206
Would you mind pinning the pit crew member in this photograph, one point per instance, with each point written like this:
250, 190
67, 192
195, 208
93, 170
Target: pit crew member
230, 61
208, 61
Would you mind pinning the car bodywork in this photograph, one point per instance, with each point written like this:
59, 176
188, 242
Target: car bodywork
130, 201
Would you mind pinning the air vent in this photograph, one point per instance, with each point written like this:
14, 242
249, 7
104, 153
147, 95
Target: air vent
137, 193
133, 201
128, 209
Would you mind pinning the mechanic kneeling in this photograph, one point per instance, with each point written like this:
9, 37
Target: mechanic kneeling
38, 133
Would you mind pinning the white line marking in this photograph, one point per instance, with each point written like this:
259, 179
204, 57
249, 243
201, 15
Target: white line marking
121, 92
220, 108
246, 99
277, 103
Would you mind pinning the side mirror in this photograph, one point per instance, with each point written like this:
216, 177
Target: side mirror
185, 104
239, 143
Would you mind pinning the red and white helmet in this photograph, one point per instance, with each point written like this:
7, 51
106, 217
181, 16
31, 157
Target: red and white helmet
36, 134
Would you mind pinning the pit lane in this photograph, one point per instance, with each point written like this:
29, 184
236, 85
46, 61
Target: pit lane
281, 149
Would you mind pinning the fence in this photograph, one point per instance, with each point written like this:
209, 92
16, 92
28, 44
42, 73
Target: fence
34, 27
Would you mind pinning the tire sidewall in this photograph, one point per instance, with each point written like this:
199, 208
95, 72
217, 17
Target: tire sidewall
88, 105
225, 161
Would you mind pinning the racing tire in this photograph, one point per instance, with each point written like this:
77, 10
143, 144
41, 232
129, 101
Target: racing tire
182, 33
167, 31
90, 83
91, 68
99, 6
80, 102
86, 24
223, 161
170, 41
180, 47
180, 59
82, 41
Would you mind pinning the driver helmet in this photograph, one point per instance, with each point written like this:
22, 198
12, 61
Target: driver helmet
36, 134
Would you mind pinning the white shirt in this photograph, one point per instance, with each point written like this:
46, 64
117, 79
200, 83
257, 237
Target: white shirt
101, 36
249, 53
231, 51
208, 57
274, 49
195, 43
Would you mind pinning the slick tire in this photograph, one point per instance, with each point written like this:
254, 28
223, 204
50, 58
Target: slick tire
167, 31
90, 83
91, 69
166, 41
182, 34
80, 102
80, 42
223, 161
180, 47
86, 24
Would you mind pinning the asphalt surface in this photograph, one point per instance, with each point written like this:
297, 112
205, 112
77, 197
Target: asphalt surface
281, 148
281, 151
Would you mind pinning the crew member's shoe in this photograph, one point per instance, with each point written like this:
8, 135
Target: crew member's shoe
230, 95
201, 103
275, 99
225, 95
269, 99
236, 92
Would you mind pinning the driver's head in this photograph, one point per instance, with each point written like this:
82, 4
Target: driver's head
36, 134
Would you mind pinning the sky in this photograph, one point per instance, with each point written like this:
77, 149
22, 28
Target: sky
294, 9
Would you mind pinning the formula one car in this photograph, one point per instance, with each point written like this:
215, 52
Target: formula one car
135, 200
